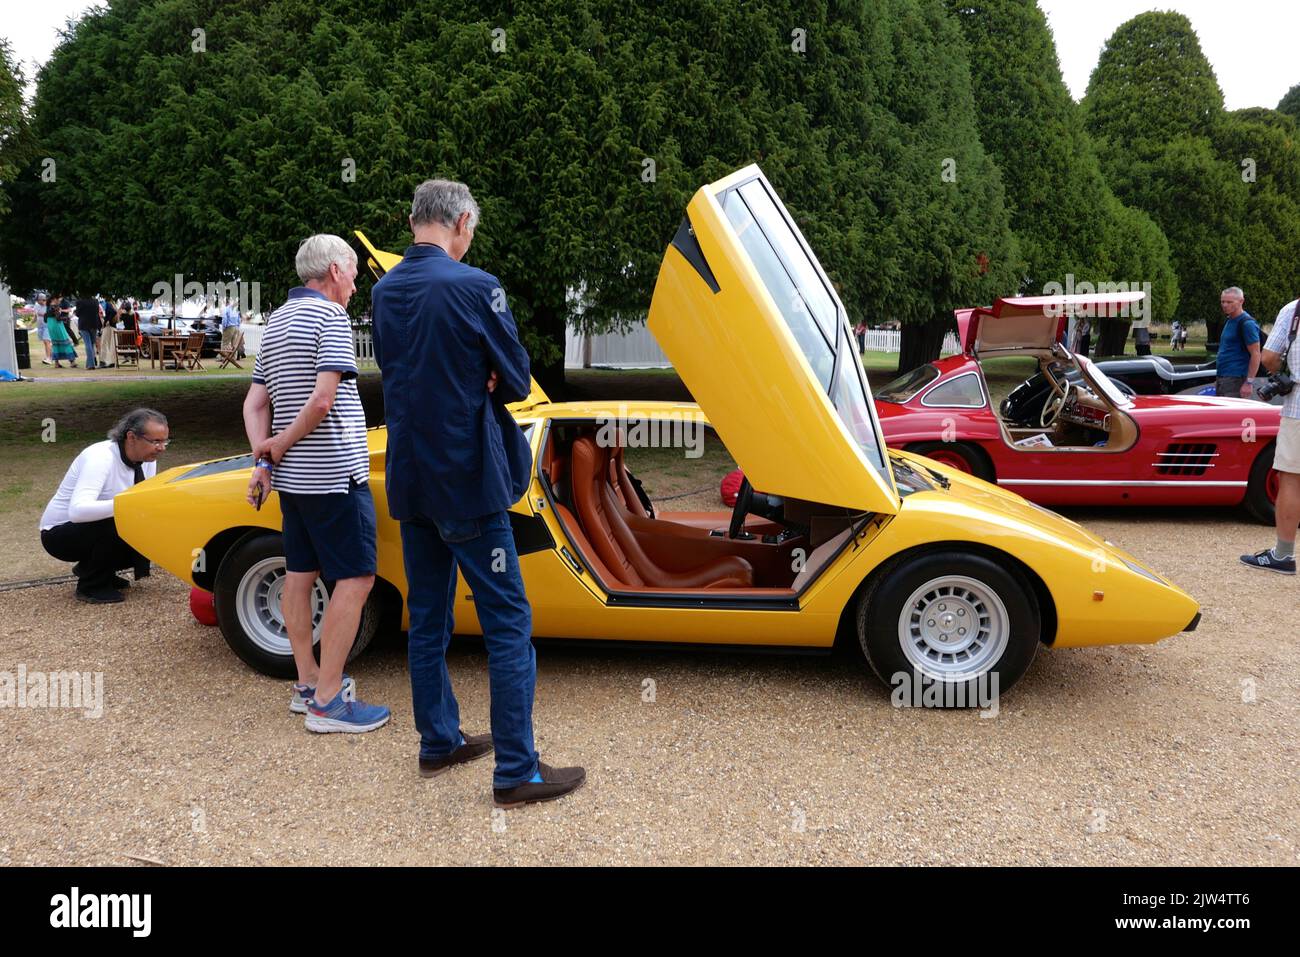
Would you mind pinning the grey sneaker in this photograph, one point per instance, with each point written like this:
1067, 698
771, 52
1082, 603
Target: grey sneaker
304, 693
1269, 562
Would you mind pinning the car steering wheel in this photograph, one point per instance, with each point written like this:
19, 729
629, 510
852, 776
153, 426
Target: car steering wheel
1054, 405
744, 499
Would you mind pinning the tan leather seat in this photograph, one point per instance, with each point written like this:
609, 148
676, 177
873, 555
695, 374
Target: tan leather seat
622, 481
601, 515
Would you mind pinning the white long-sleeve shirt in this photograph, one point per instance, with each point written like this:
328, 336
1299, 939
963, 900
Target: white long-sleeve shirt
86, 492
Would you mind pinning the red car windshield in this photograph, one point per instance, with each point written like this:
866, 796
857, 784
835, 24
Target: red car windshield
906, 386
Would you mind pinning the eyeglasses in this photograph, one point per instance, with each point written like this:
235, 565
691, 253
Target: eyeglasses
156, 443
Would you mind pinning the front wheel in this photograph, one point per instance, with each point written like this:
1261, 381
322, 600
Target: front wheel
951, 619
249, 588
1262, 488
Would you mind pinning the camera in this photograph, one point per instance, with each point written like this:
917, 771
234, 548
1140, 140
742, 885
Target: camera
1279, 383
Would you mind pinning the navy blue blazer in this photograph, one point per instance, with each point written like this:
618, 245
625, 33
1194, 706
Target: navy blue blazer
440, 327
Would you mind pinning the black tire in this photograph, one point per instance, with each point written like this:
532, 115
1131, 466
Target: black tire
1256, 500
977, 460
881, 610
254, 558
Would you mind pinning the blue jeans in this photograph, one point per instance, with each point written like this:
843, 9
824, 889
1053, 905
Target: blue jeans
484, 550
91, 339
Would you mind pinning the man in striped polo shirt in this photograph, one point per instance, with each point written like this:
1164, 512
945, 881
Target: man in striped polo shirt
308, 432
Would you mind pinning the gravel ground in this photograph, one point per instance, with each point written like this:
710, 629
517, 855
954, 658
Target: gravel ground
1121, 755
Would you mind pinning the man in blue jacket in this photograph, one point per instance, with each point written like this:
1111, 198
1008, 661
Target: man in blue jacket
450, 358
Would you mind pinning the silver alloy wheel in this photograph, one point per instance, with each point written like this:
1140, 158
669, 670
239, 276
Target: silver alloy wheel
257, 605
953, 628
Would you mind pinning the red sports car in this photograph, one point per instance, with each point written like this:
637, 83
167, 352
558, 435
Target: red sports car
1090, 443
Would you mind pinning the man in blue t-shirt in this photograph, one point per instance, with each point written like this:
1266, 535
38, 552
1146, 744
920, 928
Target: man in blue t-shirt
1238, 347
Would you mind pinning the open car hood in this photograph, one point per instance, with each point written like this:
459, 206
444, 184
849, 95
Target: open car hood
1032, 323
380, 262
759, 336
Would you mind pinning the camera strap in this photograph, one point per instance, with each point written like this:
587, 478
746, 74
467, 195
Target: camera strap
1286, 353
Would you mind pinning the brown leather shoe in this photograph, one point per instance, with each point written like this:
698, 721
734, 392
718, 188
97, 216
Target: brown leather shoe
475, 747
556, 783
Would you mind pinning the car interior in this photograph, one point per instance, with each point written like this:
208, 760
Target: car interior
765, 546
1076, 417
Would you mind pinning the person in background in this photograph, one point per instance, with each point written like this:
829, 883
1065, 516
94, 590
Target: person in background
1080, 333
108, 335
56, 321
1176, 336
230, 320
1239, 355
42, 331
1142, 335
89, 320
78, 524
128, 316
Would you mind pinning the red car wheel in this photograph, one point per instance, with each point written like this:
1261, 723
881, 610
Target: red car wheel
961, 456
1262, 488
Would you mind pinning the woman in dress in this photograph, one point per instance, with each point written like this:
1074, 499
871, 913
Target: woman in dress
56, 322
42, 333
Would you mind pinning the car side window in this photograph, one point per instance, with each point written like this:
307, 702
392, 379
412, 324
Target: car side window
962, 392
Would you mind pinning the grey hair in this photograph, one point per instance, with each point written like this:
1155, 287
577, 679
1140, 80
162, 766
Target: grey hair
1234, 291
317, 253
135, 421
442, 201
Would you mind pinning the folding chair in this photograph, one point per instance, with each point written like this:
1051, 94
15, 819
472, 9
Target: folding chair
230, 357
188, 355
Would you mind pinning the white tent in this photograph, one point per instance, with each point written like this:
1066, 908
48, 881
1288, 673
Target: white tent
8, 355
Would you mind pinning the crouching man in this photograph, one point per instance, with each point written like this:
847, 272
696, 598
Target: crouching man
78, 523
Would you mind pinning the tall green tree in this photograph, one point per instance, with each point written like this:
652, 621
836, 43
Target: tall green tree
1290, 103
207, 138
1222, 186
1064, 215
13, 121
951, 214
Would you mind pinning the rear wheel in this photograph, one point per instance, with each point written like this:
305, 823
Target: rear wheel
248, 592
950, 619
1262, 488
962, 456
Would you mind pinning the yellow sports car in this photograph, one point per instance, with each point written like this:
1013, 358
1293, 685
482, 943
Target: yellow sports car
938, 575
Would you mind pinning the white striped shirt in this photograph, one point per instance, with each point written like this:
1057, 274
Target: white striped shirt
307, 335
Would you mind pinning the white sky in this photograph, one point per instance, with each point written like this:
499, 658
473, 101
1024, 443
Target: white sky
1253, 45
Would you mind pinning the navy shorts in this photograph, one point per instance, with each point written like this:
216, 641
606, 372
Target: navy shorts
332, 534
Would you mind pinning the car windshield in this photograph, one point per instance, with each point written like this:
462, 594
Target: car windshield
906, 386
1103, 382
812, 313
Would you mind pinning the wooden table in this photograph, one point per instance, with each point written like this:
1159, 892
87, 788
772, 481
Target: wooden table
159, 346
